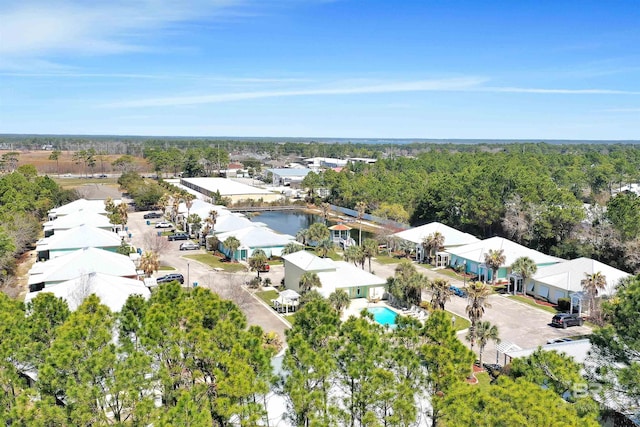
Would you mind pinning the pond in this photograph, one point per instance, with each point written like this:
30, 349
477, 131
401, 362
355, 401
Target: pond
290, 222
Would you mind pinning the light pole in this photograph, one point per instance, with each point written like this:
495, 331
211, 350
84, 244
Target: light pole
188, 282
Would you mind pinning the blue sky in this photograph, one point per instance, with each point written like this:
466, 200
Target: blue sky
304, 68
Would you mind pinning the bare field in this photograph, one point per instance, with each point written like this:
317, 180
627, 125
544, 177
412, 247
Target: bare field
65, 164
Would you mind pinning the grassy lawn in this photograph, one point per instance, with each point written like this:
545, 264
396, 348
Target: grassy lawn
267, 296
214, 262
460, 323
532, 303
386, 259
166, 268
79, 182
484, 380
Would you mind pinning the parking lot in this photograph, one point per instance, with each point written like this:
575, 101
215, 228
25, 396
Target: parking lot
518, 323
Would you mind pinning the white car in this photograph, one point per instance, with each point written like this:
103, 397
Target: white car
188, 246
164, 224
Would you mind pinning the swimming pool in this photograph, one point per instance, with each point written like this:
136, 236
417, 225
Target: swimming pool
384, 316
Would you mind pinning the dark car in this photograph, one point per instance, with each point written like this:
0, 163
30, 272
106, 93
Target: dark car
563, 320
173, 277
178, 236
152, 215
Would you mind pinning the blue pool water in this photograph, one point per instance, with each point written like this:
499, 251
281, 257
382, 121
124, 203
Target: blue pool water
383, 315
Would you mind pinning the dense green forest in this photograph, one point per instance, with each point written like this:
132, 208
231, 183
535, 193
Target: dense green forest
188, 358
559, 200
25, 199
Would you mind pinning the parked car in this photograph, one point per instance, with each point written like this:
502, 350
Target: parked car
173, 277
178, 236
188, 246
164, 224
563, 320
265, 268
152, 215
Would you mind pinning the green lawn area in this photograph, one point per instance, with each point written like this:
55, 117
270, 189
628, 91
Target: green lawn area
166, 268
484, 380
267, 296
531, 302
214, 262
386, 259
79, 182
460, 323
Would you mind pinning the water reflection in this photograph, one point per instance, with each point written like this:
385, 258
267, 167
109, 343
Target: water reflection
290, 222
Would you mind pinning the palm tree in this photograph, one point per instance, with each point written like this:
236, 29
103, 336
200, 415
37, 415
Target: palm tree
318, 232
477, 296
525, 267
324, 246
257, 261
188, 202
175, 205
302, 236
409, 282
485, 332
437, 241
325, 208
440, 293
592, 285
360, 207
354, 254
149, 263
163, 202
369, 250
339, 300
213, 217
308, 281
232, 243
291, 247
494, 260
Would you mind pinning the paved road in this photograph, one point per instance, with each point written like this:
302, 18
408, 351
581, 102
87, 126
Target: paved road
227, 285
518, 323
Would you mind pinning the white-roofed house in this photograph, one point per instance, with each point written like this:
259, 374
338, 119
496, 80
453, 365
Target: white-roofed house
113, 291
472, 256
76, 219
565, 279
96, 206
333, 275
452, 238
234, 190
255, 237
234, 221
77, 263
83, 236
287, 176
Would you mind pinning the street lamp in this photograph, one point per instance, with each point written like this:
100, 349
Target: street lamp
188, 282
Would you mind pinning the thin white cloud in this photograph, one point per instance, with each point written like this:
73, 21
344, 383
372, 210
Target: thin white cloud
469, 84
412, 86
72, 74
558, 91
621, 110
43, 29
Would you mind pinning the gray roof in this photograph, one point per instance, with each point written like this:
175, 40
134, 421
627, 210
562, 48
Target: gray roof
307, 261
83, 236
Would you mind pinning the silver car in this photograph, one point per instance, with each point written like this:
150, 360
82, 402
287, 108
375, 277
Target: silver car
188, 246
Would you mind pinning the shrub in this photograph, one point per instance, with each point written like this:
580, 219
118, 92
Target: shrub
564, 304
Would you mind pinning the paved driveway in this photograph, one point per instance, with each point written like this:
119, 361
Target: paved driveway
227, 285
517, 323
